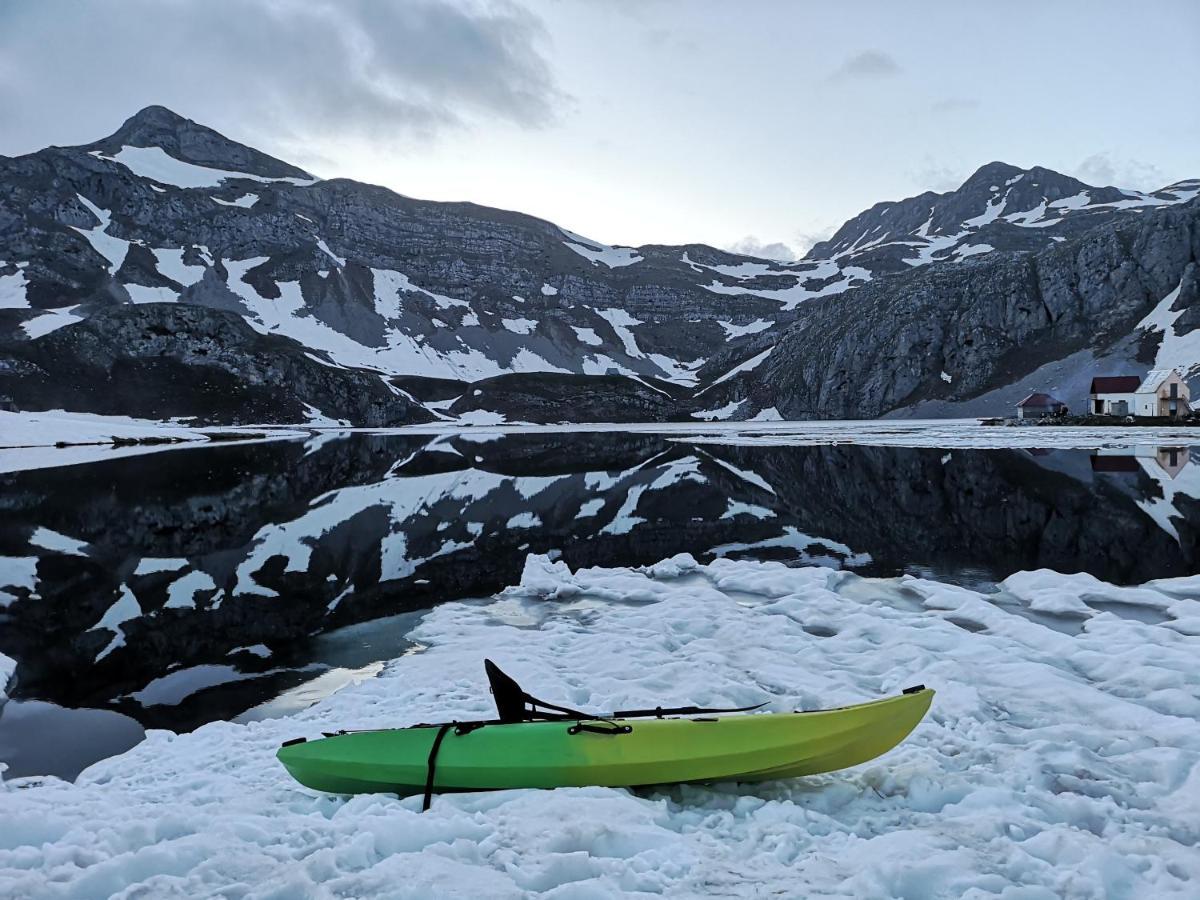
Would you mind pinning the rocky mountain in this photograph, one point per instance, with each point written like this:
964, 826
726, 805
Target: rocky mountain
976, 337
169, 271
1000, 207
353, 276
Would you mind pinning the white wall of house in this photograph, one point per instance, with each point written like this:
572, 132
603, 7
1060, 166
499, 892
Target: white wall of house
1110, 402
1154, 395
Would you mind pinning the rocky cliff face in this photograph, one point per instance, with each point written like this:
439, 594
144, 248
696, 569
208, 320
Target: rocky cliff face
167, 224
949, 333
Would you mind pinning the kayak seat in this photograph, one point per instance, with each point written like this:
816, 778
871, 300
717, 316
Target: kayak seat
509, 698
515, 705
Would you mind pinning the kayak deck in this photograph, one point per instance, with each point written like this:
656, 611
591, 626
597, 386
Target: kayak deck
607, 752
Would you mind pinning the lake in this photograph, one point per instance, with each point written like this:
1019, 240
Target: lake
244, 581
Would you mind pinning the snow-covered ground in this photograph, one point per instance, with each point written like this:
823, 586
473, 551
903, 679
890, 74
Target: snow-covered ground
25, 437
946, 433
1060, 759
28, 440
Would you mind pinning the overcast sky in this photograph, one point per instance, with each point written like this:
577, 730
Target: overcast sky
633, 121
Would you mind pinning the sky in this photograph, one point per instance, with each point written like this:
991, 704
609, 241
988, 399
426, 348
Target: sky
757, 126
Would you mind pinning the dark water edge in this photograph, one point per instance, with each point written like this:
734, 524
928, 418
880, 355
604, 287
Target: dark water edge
172, 589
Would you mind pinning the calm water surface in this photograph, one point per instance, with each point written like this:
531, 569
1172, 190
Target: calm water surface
246, 581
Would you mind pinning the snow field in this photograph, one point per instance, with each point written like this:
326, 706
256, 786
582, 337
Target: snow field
27, 439
1051, 765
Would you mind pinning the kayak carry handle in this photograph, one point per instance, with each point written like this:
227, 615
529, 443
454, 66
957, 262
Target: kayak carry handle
600, 728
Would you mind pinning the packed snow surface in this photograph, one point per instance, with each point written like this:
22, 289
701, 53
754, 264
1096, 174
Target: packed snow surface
1054, 763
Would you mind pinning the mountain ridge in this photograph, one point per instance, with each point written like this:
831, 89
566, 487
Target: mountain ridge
362, 279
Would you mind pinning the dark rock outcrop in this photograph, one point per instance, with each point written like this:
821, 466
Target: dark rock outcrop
164, 360
549, 397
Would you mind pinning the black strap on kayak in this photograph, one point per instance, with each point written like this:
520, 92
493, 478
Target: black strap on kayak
432, 766
658, 712
460, 729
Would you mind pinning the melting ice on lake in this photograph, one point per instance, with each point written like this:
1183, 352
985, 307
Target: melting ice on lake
1052, 764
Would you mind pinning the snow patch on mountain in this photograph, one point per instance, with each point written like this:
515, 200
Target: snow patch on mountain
621, 321
156, 164
733, 330
50, 320
587, 336
746, 366
520, 326
245, 201
794, 291
140, 293
597, 253
324, 248
113, 249
1177, 351
12, 291
170, 265
721, 413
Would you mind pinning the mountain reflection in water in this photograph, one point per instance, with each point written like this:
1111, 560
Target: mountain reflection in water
175, 588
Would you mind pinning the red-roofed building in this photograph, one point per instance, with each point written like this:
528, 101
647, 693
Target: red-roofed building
1038, 406
1113, 395
1163, 392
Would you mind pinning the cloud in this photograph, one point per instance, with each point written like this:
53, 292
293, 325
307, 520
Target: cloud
752, 246
938, 177
806, 240
1105, 170
954, 104
275, 70
866, 65
802, 241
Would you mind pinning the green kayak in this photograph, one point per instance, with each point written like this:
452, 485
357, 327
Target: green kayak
567, 748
